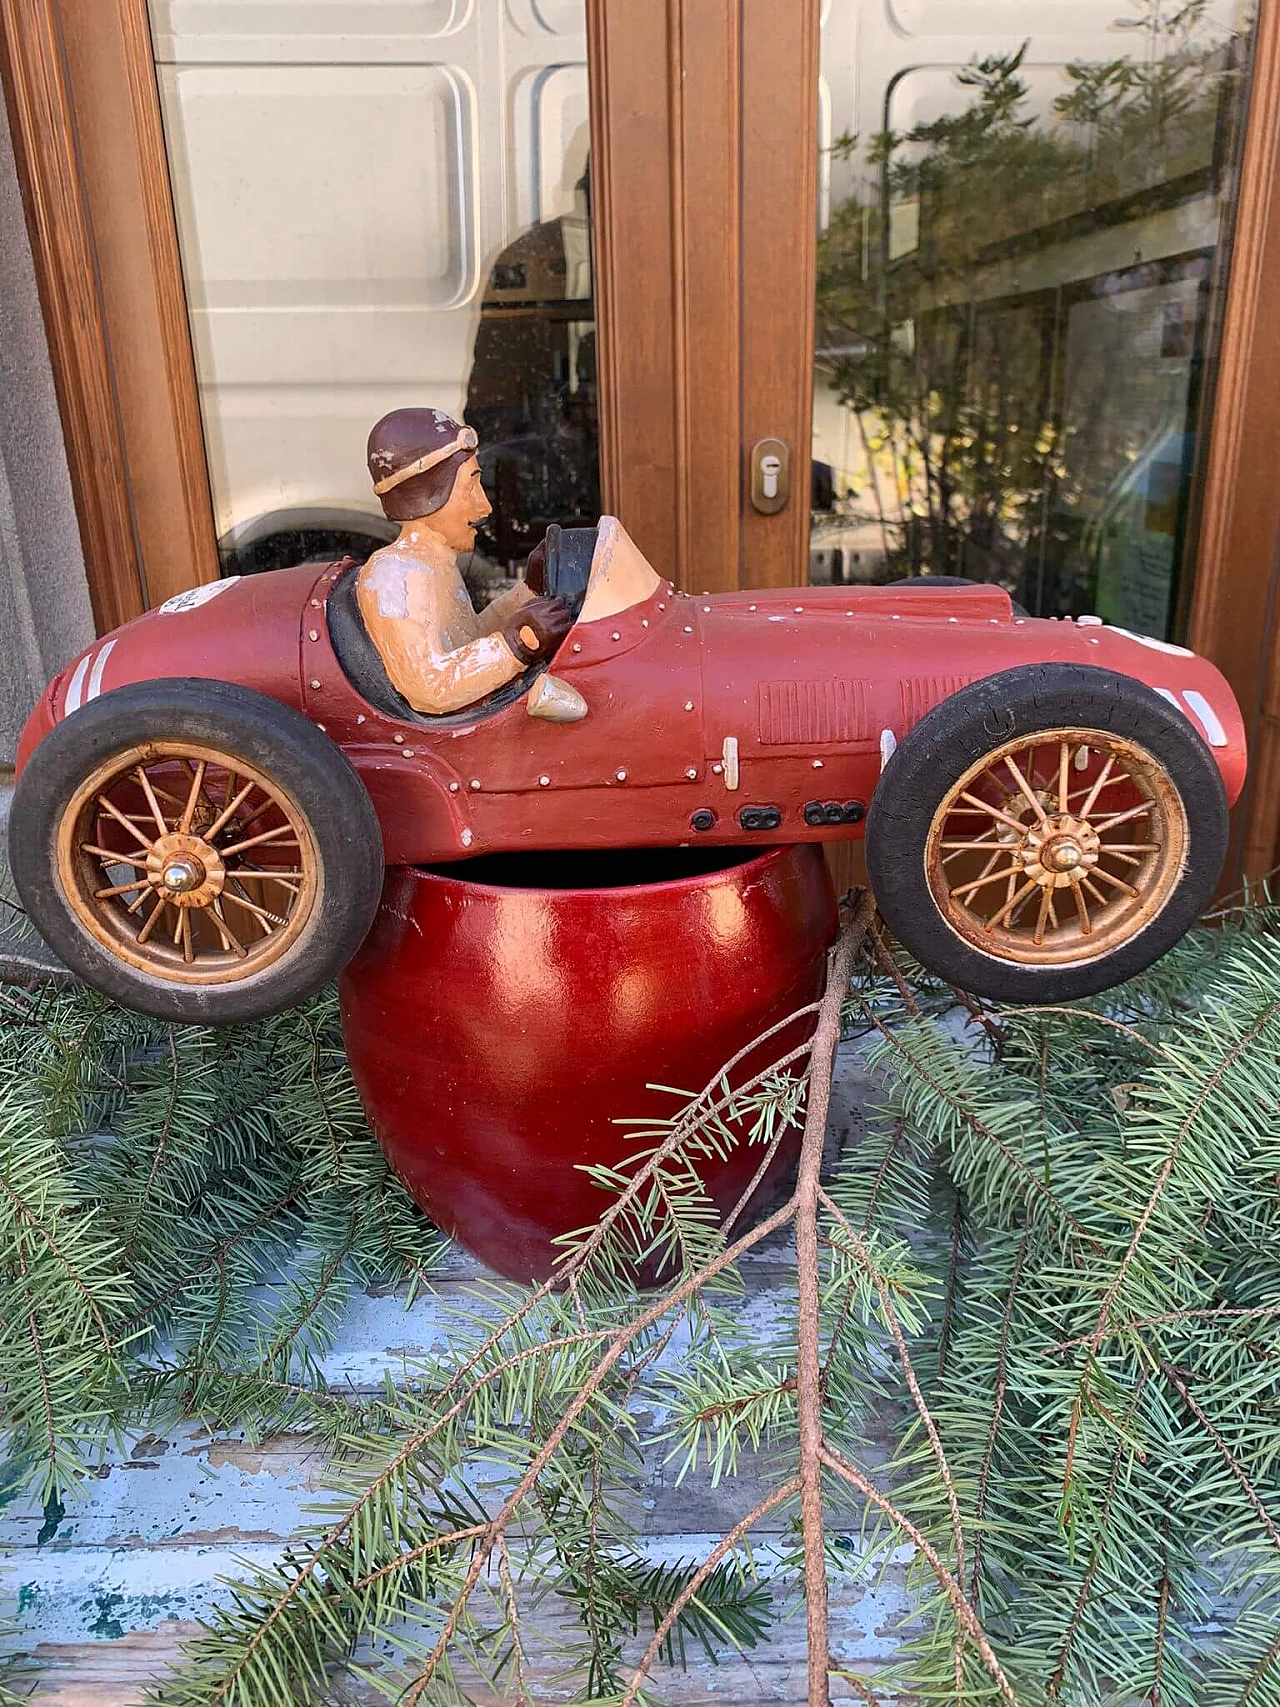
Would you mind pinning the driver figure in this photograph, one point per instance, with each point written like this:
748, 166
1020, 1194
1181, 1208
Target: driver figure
438, 652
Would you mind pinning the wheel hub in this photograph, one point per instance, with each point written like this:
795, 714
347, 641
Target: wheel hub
1059, 851
185, 870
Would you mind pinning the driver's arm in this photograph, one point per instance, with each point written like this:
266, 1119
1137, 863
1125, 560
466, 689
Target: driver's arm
435, 681
496, 615
402, 613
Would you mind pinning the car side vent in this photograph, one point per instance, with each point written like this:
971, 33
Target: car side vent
796, 714
921, 693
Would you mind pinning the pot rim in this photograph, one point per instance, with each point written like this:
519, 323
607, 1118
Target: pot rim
754, 862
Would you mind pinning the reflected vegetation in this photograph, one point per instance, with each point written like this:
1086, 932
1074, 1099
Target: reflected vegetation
1015, 298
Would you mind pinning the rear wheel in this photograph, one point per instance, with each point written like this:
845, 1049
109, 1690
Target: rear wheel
196, 851
1047, 833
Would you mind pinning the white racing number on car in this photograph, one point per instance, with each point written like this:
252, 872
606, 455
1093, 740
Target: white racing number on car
194, 597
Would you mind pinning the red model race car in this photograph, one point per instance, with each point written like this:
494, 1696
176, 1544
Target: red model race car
207, 798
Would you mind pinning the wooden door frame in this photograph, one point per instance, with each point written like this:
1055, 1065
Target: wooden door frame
705, 297
1235, 609
80, 82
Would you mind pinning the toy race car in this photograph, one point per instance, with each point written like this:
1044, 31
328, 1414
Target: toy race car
207, 798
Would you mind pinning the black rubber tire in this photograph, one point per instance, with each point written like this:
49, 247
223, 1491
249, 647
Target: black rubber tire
957, 734
284, 746
926, 582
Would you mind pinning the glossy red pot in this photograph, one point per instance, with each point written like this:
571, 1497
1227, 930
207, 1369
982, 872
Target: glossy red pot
500, 1024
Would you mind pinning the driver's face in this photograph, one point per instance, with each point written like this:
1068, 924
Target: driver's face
456, 522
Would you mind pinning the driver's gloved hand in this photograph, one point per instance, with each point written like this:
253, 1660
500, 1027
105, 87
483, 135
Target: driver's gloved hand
537, 629
535, 574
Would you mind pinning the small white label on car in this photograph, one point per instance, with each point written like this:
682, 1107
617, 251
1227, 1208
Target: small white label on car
194, 597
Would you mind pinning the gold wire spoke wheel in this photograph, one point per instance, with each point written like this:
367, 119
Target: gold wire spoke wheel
1057, 848
187, 863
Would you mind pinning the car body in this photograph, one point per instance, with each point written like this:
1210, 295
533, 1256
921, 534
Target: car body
729, 718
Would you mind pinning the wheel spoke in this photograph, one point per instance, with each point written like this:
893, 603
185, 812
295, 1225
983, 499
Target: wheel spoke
1097, 894
113, 858
122, 889
286, 879
162, 823
188, 951
271, 920
135, 904
1125, 817
229, 810
1086, 924
265, 836
151, 923
253, 817
1130, 847
1091, 798
995, 812
1032, 798
1064, 775
229, 938
1079, 793
1046, 907
1006, 911
120, 818
1107, 877
958, 848
193, 799
982, 882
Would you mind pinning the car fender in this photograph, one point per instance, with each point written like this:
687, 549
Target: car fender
245, 630
423, 812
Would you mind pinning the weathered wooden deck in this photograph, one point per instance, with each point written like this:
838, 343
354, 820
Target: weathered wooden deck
136, 1561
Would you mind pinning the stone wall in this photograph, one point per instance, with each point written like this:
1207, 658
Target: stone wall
45, 616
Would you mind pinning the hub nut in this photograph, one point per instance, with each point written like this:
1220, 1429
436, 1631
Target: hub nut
181, 875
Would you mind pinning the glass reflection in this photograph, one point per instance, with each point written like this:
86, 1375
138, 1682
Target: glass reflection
379, 206
1017, 278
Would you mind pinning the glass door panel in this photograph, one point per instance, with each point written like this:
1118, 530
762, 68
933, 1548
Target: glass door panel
1021, 238
382, 203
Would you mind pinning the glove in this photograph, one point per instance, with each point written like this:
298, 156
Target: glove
537, 629
535, 574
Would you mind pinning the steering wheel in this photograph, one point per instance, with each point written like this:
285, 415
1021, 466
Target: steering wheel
560, 567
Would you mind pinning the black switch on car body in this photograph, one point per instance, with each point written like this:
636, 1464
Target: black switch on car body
819, 813
760, 817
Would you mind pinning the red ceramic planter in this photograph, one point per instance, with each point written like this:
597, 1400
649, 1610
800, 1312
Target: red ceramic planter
500, 1024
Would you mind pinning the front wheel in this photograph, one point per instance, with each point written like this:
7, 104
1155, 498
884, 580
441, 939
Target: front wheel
1047, 833
196, 850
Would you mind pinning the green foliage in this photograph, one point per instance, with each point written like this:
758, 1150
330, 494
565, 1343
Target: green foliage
926, 332
152, 1177
1048, 1319
1108, 1386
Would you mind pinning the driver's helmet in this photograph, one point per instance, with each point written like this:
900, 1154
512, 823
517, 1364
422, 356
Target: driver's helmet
414, 458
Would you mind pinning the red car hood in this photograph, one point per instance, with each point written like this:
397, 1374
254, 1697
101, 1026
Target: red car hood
851, 664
